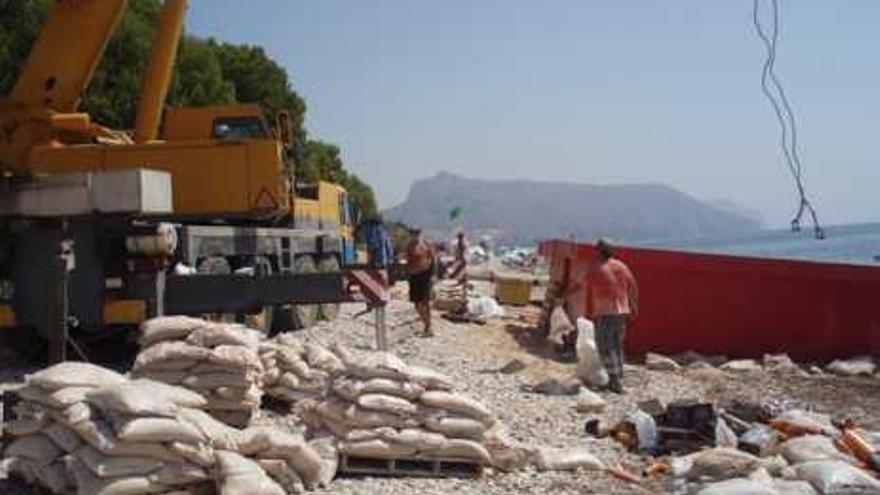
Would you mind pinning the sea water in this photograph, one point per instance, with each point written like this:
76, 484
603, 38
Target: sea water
852, 244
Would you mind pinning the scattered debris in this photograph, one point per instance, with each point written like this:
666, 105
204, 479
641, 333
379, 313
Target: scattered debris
589, 402
742, 366
658, 362
863, 365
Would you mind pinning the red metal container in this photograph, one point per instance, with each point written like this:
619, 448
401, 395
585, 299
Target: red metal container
738, 306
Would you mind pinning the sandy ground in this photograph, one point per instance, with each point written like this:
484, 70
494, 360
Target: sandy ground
472, 353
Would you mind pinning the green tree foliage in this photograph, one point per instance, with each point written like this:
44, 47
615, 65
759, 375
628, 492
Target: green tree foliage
208, 72
20, 22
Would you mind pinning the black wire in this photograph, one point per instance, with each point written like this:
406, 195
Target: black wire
784, 115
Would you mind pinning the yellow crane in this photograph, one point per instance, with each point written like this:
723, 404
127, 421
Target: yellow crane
234, 200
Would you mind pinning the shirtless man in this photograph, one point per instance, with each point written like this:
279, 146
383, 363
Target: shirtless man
420, 268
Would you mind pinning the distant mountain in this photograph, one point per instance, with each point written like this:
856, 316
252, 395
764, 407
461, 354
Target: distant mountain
523, 211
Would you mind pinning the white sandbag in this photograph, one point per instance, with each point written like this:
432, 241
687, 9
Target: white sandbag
811, 448
159, 430
235, 357
171, 365
253, 394
99, 435
89, 484
837, 478
429, 378
63, 437
406, 390
164, 376
38, 395
242, 476
38, 449
178, 474
376, 449
198, 454
283, 474
738, 486
273, 443
361, 434
69, 396
457, 448
127, 398
177, 395
508, 454
376, 365
387, 403
722, 463
104, 466
416, 438
549, 459
589, 368
170, 351
362, 418
216, 334
219, 435
290, 340
214, 380
454, 402
74, 374
167, 328
456, 426
321, 358
72, 414
238, 419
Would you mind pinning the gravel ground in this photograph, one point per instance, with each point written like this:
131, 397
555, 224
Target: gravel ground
469, 353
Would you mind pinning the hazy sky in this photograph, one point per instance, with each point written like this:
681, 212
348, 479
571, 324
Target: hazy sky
583, 91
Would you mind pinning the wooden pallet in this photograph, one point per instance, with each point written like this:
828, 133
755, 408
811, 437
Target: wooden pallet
412, 467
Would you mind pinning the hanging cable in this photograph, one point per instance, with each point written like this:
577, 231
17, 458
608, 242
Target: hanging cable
784, 115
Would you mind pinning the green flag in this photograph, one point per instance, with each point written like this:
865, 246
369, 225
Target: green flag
455, 213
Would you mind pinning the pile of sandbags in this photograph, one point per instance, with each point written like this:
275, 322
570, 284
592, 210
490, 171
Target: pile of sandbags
219, 361
382, 408
297, 370
82, 429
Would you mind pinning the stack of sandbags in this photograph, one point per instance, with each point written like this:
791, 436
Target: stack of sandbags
296, 370
382, 408
83, 429
217, 360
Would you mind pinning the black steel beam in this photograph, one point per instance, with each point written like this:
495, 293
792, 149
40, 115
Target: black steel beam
242, 293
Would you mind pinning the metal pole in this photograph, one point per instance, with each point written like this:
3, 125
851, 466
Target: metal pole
381, 335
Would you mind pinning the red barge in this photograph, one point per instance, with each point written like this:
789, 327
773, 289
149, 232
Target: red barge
738, 306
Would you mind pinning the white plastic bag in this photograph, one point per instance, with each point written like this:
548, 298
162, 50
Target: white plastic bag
485, 307
589, 368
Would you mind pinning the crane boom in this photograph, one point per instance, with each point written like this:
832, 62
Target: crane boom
70, 45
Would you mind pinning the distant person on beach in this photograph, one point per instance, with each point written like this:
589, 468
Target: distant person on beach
612, 301
420, 268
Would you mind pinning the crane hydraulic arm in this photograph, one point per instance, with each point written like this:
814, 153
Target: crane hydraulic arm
41, 109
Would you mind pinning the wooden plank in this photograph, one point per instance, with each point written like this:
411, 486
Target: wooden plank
410, 467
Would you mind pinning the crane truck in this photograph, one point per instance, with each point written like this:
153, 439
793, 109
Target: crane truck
197, 210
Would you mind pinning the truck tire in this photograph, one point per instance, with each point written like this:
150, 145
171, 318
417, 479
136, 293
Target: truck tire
304, 315
216, 265
328, 312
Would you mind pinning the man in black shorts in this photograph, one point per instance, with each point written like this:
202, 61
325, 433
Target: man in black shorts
420, 267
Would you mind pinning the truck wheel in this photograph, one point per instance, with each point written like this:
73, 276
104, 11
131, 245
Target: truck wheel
304, 315
328, 312
262, 320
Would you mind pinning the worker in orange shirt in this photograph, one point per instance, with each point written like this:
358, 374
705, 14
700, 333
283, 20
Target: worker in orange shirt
612, 301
